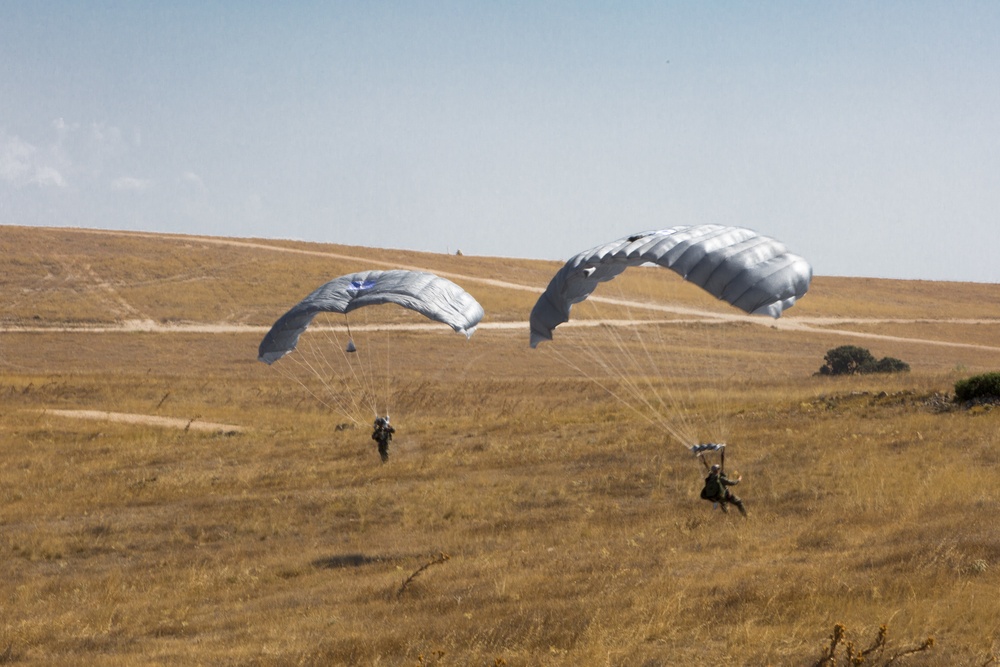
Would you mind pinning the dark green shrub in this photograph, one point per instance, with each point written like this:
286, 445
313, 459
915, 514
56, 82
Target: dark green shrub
890, 365
985, 386
851, 359
845, 360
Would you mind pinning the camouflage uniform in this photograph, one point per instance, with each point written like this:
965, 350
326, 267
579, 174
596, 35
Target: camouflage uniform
717, 490
383, 436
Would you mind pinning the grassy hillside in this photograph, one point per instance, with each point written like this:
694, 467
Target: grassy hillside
526, 515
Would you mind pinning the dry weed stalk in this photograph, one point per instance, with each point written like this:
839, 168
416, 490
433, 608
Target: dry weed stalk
440, 558
877, 647
925, 645
828, 653
435, 656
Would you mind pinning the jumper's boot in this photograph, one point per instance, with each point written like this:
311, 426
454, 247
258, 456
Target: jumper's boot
739, 506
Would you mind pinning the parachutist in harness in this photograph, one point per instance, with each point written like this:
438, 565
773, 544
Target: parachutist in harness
717, 487
383, 436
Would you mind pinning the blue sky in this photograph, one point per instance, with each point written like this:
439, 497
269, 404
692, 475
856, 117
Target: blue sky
866, 135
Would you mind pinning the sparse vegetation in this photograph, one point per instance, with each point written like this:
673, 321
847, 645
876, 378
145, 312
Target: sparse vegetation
575, 534
437, 560
854, 360
874, 654
985, 387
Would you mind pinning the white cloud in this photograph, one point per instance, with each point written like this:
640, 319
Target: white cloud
48, 176
131, 183
23, 164
75, 153
63, 128
15, 158
193, 180
105, 135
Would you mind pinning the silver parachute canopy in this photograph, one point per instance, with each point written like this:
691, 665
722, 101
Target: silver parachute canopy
752, 272
430, 295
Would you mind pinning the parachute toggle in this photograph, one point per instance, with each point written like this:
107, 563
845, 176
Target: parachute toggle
699, 450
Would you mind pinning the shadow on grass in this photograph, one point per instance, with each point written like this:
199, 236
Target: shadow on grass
345, 560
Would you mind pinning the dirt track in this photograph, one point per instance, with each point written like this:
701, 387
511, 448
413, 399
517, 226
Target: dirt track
814, 324
817, 325
149, 420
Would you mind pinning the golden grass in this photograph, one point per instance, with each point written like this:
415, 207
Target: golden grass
573, 532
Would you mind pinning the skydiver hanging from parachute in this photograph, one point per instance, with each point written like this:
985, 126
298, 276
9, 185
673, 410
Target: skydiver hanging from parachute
432, 296
716, 489
383, 436
752, 272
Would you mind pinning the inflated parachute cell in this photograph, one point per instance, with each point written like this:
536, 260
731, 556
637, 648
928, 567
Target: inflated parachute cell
752, 272
430, 295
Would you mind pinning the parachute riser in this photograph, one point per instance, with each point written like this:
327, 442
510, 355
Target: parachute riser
700, 451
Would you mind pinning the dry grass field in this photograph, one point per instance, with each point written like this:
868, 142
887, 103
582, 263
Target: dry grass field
525, 517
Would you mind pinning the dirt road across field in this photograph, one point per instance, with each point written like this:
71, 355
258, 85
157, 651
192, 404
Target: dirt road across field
824, 325
137, 323
149, 420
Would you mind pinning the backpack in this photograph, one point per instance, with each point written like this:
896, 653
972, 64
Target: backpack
713, 488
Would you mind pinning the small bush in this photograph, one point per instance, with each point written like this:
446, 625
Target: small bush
852, 654
846, 360
977, 387
890, 365
851, 359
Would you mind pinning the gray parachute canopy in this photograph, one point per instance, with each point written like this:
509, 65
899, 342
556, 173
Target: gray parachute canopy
752, 272
426, 293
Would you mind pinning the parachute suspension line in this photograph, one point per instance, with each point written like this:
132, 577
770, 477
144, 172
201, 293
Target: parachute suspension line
635, 371
341, 394
360, 364
565, 359
355, 391
675, 383
670, 409
386, 375
370, 367
704, 394
669, 403
694, 396
632, 397
309, 358
653, 418
631, 372
717, 338
286, 372
328, 386
355, 386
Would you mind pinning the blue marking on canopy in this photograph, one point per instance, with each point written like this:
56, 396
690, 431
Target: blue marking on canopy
358, 285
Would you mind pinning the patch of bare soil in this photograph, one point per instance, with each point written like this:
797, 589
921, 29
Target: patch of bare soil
149, 420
